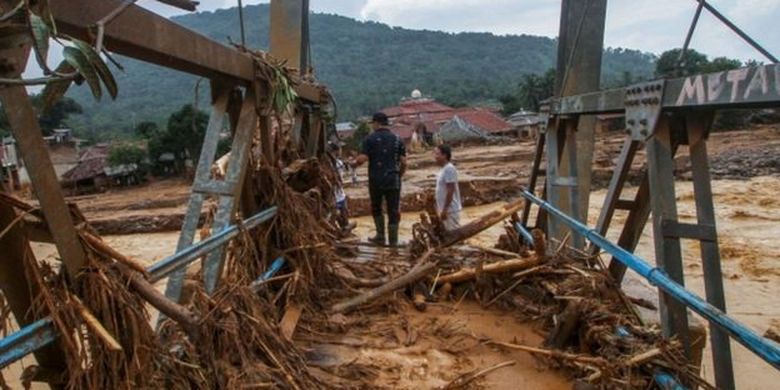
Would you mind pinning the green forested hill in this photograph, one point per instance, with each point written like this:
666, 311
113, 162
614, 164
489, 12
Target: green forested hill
367, 65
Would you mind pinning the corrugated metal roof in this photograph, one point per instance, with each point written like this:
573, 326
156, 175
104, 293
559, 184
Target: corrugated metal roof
411, 113
485, 120
86, 169
415, 107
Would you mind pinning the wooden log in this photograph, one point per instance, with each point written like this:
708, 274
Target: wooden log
463, 380
595, 360
498, 267
481, 224
568, 323
100, 246
540, 246
290, 320
494, 251
172, 310
95, 326
348, 276
423, 268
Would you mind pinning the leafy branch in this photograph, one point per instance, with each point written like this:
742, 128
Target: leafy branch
81, 60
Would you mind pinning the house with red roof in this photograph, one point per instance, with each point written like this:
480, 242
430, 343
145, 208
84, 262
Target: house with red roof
426, 115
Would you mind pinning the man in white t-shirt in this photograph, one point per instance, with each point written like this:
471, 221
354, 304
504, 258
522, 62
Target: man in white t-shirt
448, 203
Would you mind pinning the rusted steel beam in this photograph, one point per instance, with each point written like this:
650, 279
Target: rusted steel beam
25, 129
186, 5
580, 50
751, 87
287, 35
144, 35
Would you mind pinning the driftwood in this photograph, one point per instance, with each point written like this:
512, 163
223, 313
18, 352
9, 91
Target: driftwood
290, 321
595, 360
172, 310
101, 247
498, 267
422, 269
469, 377
137, 275
494, 251
481, 224
568, 323
93, 324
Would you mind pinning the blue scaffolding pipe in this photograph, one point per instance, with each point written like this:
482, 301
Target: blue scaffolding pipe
529, 239
268, 274
164, 267
764, 348
26, 340
273, 269
667, 382
42, 332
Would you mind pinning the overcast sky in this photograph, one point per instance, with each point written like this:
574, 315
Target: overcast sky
648, 25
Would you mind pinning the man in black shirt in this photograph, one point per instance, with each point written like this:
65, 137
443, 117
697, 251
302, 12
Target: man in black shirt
386, 156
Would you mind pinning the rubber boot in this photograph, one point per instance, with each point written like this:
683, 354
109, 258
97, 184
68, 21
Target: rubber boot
379, 238
392, 235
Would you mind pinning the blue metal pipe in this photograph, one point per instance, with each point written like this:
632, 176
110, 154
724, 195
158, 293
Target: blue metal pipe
164, 267
273, 269
42, 332
26, 340
667, 382
764, 348
268, 274
529, 239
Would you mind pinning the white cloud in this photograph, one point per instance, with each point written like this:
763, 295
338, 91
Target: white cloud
649, 25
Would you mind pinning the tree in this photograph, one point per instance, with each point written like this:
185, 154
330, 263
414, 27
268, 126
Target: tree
669, 66
354, 141
720, 64
128, 154
531, 91
147, 129
55, 116
183, 137
693, 62
186, 128
52, 119
510, 104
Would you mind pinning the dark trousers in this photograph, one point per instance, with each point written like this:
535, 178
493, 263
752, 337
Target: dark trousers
390, 196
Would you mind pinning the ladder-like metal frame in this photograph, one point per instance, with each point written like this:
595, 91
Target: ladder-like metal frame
656, 193
227, 190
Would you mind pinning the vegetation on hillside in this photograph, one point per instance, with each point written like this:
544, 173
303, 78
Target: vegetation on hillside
182, 138
48, 120
367, 65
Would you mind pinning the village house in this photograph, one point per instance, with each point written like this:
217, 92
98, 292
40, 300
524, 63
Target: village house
345, 129
526, 123
93, 173
426, 117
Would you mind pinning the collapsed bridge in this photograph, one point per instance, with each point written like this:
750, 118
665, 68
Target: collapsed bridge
660, 115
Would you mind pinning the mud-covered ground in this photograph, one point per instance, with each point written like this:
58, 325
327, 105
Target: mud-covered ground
746, 181
487, 174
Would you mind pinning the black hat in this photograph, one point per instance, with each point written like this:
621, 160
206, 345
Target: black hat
380, 118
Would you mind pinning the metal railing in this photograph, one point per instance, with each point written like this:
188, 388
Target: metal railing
764, 348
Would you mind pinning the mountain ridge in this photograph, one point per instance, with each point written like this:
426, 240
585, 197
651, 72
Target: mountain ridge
367, 65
